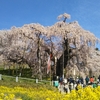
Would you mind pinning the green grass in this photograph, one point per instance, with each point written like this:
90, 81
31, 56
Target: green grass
11, 82
9, 78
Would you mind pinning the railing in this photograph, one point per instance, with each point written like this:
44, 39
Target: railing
18, 79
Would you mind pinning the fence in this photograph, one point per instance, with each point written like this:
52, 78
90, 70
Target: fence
18, 79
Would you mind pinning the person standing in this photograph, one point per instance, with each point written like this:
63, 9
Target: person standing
91, 80
87, 80
99, 78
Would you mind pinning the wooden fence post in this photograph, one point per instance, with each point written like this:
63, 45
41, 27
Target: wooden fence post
0, 76
16, 78
36, 80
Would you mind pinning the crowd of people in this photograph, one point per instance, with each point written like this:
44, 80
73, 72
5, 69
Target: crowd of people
68, 84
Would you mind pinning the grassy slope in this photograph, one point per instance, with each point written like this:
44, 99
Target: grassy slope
10, 82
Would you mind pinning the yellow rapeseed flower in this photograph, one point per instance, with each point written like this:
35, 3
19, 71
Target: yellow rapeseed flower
17, 93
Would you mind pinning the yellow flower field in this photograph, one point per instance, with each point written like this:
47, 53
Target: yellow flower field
20, 93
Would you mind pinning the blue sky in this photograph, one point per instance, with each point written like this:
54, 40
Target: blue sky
20, 12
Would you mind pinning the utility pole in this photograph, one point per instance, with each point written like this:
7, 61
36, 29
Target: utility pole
39, 56
63, 58
55, 64
50, 59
